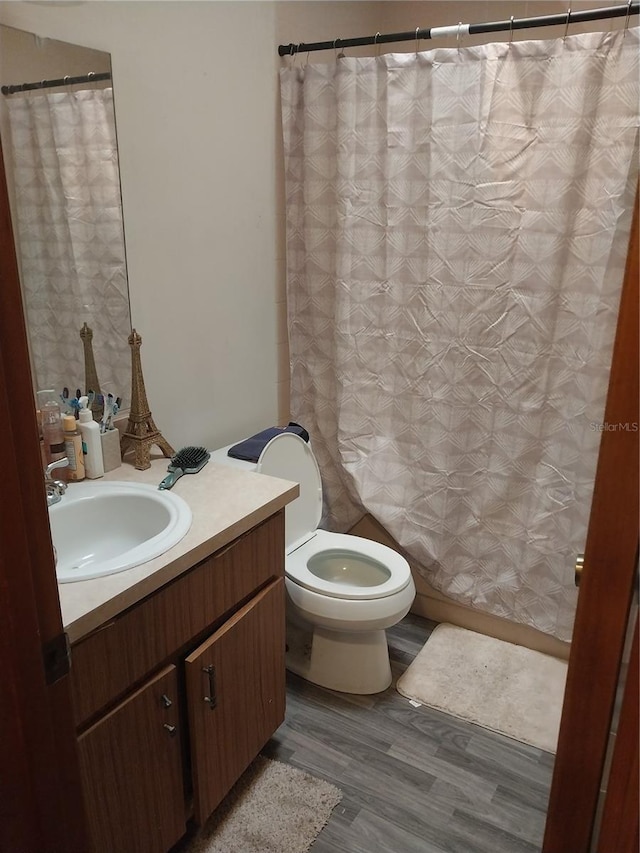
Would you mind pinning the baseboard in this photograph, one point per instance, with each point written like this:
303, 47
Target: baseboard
432, 604
439, 608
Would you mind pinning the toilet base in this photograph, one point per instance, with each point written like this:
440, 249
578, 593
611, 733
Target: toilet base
350, 662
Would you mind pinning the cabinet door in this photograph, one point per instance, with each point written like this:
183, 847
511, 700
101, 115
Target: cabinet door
131, 770
235, 695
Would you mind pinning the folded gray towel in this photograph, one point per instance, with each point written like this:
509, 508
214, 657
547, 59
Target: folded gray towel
250, 449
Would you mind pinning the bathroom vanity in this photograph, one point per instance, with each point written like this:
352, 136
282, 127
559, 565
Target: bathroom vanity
177, 665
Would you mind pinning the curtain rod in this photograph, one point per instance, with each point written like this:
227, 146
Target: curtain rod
461, 29
91, 77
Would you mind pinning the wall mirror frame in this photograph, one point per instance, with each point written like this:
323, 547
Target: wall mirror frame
61, 159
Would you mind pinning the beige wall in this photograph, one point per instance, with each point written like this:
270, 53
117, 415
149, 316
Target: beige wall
196, 94
26, 58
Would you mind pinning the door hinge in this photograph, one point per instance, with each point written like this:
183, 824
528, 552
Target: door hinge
56, 654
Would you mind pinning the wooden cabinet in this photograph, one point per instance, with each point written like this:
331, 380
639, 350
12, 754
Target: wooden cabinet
175, 618
177, 695
131, 771
235, 696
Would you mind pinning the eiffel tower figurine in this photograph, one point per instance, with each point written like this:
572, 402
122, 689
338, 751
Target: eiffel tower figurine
90, 373
141, 431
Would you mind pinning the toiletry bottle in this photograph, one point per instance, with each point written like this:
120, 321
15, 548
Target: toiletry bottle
92, 446
52, 432
73, 448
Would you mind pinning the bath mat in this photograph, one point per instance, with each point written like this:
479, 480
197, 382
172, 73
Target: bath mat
500, 686
273, 808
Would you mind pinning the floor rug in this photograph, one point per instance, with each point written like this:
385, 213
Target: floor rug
273, 808
500, 686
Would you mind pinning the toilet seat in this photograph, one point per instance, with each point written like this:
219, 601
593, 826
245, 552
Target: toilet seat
334, 564
299, 565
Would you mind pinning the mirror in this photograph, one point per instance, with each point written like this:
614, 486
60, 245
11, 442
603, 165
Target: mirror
61, 158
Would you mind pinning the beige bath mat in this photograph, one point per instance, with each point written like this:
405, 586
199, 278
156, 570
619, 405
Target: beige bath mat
500, 686
273, 808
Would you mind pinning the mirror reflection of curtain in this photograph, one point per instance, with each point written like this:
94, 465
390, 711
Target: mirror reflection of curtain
69, 233
457, 225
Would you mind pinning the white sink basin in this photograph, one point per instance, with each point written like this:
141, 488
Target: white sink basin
102, 528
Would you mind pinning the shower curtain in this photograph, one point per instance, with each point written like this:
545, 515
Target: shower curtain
457, 225
69, 234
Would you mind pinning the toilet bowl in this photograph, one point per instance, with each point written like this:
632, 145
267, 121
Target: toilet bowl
343, 591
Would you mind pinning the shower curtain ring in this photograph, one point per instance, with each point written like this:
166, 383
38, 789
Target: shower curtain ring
458, 36
375, 41
626, 21
417, 39
566, 29
511, 30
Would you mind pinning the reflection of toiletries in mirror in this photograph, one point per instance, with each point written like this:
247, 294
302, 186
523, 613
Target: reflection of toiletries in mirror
73, 448
90, 432
52, 433
64, 397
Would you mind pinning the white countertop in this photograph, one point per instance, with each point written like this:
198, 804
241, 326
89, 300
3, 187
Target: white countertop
226, 502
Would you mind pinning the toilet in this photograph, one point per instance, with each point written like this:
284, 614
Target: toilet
343, 591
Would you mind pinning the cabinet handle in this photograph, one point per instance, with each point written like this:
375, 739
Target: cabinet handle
211, 699
171, 729
166, 702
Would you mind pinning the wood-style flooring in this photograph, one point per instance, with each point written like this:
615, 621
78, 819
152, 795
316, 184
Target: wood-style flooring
414, 780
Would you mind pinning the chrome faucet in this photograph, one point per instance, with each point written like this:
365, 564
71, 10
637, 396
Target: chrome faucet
55, 488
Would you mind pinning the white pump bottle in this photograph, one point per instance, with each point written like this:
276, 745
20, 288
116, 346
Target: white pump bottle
92, 445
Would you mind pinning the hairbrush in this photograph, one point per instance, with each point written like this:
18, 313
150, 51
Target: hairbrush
188, 460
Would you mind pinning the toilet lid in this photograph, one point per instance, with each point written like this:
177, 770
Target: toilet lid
290, 457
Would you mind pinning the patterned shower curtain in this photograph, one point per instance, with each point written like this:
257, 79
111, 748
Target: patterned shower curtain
457, 225
69, 234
